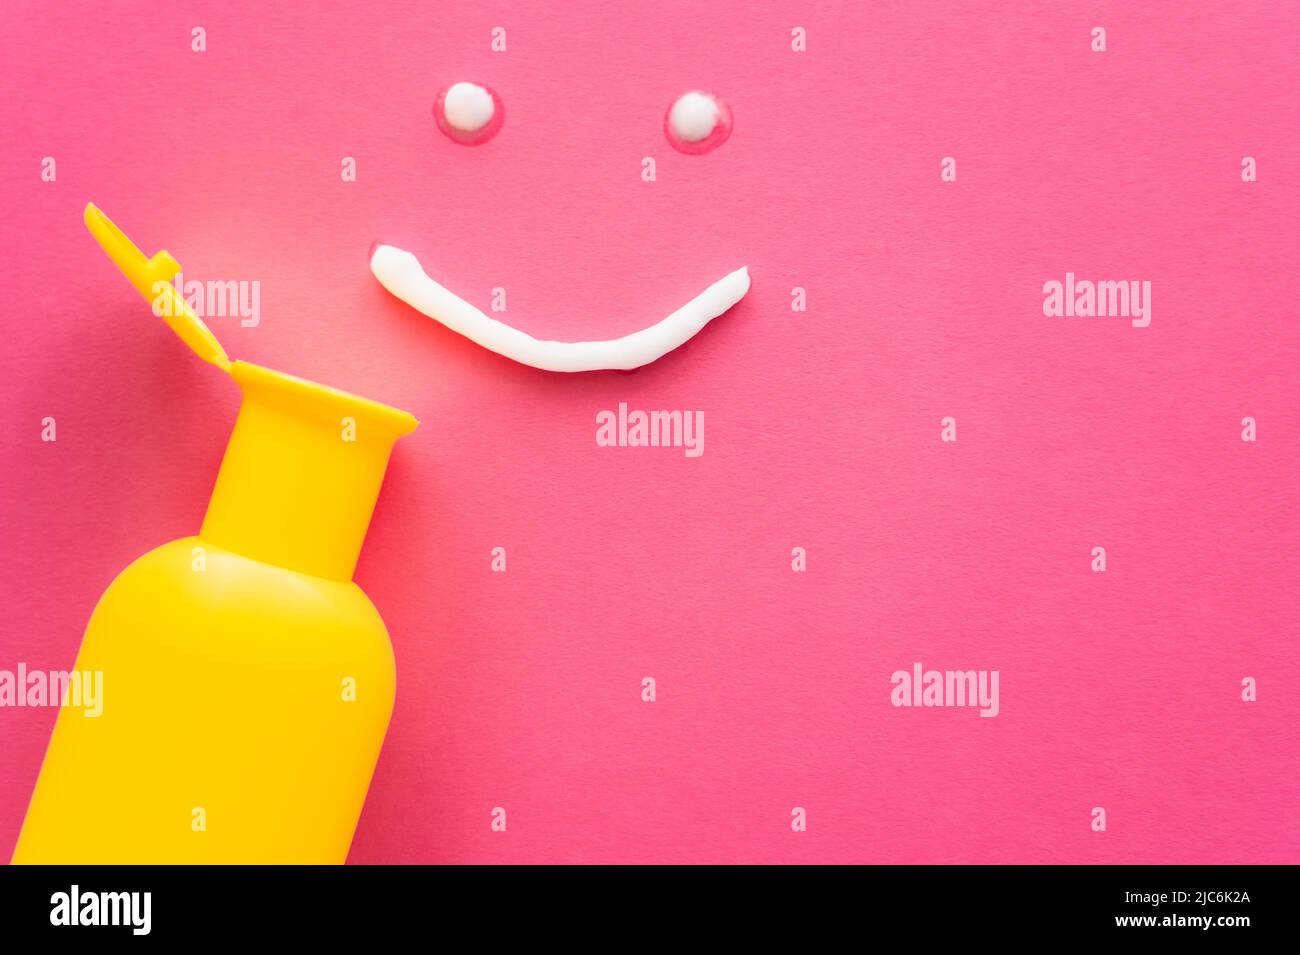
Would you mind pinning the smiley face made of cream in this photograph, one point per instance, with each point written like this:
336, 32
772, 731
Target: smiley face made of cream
472, 114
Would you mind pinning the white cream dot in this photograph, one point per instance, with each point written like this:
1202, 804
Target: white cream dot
694, 116
468, 107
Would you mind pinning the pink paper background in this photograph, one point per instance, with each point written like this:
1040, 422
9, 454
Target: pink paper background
522, 689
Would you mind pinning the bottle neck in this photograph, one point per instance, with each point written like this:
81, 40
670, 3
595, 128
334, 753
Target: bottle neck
301, 473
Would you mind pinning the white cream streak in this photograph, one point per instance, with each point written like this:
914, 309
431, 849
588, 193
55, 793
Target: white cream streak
400, 273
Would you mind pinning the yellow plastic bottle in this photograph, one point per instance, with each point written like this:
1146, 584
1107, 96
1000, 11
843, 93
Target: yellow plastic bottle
247, 681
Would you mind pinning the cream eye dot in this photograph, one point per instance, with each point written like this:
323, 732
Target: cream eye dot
468, 107
468, 113
694, 116
697, 122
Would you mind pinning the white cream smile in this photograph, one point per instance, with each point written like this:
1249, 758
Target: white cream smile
400, 272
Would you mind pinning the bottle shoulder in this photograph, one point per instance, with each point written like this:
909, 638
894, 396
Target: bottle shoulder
190, 576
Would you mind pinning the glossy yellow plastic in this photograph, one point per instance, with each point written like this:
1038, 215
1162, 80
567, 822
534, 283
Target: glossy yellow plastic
247, 681
152, 278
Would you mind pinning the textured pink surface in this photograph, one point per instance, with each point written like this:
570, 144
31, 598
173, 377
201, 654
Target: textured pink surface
522, 690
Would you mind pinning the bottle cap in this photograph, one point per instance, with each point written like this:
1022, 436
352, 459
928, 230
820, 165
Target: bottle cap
152, 278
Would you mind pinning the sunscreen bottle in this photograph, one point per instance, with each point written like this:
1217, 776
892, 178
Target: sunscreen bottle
247, 680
